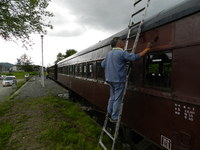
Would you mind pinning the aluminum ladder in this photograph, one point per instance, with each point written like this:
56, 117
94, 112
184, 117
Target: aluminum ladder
132, 26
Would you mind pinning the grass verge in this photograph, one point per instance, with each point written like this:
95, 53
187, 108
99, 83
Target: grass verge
46, 123
6, 130
19, 74
75, 130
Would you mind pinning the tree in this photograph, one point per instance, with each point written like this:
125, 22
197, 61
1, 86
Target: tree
59, 57
20, 18
24, 63
68, 53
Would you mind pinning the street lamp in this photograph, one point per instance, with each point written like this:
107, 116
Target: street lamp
42, 74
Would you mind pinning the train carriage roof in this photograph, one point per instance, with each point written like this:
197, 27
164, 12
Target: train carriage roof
185, 8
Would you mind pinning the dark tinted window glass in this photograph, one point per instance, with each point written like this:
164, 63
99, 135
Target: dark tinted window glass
71, 70
99, 71
90, 70
65, 70
158, 70
80, 69
60, 70
84, 70
76, 68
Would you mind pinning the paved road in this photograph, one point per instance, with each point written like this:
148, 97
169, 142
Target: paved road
6, 91
33, 89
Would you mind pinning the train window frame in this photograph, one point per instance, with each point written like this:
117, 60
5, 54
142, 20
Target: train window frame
80, 70
60, 70
76, 70
65, 69
99, 76
90, 68
72, 71
84, 73
158, 71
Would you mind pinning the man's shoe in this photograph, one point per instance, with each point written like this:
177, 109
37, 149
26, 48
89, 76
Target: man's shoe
112, 120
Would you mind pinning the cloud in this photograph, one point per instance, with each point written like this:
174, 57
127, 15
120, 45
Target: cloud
74, 17
59, 19
112, 15
109, 15
66, 32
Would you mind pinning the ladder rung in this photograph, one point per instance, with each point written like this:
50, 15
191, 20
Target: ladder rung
108, 134
131, 37
138, 11
134, 24
102, 145
137, 2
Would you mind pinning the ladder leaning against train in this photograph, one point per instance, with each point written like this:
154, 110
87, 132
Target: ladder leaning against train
136, 27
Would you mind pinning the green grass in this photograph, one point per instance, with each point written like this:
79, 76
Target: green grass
4, 107
64, 125
76, 132
5, 133
20, 84
6, 129
20, 74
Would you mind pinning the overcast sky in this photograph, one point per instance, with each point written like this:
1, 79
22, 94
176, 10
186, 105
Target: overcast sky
78, 24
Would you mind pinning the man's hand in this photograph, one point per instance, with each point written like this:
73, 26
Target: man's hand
149, 45
148, 48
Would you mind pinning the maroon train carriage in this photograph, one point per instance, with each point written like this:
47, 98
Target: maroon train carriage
163, 95
52, 71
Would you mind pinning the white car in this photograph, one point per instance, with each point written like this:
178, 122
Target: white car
9, 80
2, 77
26, 75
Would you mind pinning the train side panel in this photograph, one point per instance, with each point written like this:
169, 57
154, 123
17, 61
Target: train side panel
163, 98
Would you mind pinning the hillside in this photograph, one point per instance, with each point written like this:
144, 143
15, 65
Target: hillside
6, 64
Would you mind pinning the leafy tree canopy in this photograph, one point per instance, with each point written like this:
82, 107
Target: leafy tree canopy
20, 18
24, 63
68, 53
60, 57
24, 60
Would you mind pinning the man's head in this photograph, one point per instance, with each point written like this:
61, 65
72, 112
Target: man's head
117, 42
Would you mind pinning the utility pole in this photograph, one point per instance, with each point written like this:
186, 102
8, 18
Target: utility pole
42, 73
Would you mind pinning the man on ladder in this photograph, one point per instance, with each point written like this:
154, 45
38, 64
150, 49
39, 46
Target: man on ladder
116, 73
115, 65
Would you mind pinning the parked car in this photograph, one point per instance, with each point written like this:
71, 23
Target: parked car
13, 77
27, 76
9, 81
2, 77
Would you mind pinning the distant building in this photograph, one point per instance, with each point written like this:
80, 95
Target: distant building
14, 68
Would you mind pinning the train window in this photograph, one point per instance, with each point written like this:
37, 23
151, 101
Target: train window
84, 70
71, 68
90, 70
65, 70
76, 68
68, 70
158, 70
99, 71
80, 70
60, 70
